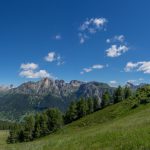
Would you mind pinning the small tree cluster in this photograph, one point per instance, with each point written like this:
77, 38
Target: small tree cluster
33, 127
106, 98
5, 125
121, 94
83, 107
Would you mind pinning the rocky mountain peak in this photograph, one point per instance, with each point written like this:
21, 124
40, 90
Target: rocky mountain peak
134, 86
76, 83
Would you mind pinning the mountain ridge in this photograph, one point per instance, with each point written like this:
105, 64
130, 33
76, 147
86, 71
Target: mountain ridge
46, 93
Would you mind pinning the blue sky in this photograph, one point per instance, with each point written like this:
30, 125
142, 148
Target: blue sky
101, 40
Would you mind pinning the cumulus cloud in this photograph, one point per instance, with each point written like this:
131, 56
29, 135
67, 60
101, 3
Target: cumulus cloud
116, 38
143, 66
91, 26
52, 56
29, 70
130, 66
115, 51
118, 47
97, 66
34, 74
93, 23
28, 66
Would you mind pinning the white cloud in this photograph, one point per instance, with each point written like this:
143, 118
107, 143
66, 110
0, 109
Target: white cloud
118, 47
60, 61
29, 70
99, 21
116, 38
120, 38
82, 37
143, 66
97, 66
34, 74
91, 26
115, 51
52, 56
113, 82
130, 66
28, 66
58, 37
93, 23
87, 69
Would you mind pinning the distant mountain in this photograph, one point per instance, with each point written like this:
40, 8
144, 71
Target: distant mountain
133, 86
4, 89
36, 96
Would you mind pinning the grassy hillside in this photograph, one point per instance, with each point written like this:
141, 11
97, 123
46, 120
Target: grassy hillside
117, 127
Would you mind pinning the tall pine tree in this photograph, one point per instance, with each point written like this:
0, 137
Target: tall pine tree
71, 113
82, 108
105, 99
118, 95
90, 104
127, 92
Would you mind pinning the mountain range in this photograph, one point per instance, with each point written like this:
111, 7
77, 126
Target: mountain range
36, 96
47, 93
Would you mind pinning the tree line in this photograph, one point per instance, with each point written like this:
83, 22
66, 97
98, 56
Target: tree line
44, 123
36, 126
5, 125
83, 107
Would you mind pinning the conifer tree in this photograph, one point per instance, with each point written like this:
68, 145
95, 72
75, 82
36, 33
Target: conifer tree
28, 125
71, 113
13, 135
82, 108
118, 95
44, 124
96, 104
37, 128
127, 92
90, 104
105, 99
55, 120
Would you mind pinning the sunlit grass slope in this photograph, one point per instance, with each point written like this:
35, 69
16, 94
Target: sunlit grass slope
117, 127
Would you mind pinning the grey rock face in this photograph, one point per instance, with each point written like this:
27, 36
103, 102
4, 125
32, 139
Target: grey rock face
48, 86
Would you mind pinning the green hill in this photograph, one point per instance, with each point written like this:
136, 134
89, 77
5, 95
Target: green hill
117, 127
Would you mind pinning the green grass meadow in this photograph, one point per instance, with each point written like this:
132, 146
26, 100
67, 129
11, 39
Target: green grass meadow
114, 128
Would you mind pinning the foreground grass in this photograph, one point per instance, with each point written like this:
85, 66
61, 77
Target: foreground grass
113, 128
